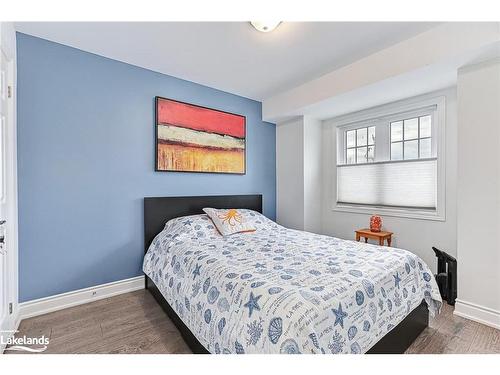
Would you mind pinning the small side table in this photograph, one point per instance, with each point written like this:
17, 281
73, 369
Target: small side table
380, 236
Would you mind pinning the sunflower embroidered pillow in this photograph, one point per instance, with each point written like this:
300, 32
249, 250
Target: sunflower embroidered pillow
229, 221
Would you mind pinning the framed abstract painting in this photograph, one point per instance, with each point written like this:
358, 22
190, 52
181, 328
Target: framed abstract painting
190, 138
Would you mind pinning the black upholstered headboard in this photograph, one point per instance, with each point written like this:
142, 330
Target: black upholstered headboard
157, 211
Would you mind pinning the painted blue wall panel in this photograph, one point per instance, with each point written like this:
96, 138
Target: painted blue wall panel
86, 160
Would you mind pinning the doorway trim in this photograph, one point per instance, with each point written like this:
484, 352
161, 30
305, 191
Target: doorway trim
8, 45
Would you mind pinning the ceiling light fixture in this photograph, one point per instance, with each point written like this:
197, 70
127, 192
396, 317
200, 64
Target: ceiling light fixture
265, 27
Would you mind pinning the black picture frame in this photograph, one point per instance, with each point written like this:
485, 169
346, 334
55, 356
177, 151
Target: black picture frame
157, 98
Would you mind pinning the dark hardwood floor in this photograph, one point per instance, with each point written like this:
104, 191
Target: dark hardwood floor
135, 323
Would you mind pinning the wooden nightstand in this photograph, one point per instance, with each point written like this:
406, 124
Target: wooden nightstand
380, 236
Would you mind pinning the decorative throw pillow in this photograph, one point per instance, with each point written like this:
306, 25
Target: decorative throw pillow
229, 221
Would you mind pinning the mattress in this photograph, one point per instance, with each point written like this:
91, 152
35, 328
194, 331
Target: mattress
278, 290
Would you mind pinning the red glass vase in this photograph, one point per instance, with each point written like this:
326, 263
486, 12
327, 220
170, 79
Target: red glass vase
375, 223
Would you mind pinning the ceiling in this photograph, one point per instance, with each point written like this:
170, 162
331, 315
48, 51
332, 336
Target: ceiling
231, 56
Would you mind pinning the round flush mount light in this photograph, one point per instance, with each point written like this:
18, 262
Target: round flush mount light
265, 27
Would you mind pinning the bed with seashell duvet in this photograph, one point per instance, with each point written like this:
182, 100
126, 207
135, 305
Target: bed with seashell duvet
277, 290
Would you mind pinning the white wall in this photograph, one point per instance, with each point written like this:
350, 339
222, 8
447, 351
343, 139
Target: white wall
416, 235
478, 221
312, 175
298, 174
289, 174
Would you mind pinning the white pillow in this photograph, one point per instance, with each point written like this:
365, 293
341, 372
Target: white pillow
229, 221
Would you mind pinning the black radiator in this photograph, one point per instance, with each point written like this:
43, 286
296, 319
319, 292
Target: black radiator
446, 276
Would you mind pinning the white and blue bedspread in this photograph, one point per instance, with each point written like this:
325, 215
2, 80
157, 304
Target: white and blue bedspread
284, 291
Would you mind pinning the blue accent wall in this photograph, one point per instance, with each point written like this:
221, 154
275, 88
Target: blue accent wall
86, 160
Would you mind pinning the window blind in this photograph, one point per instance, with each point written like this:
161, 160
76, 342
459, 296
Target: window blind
405, 184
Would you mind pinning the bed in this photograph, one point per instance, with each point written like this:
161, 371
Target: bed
278, 290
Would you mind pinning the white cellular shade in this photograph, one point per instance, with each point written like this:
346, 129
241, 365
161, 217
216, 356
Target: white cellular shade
394, 184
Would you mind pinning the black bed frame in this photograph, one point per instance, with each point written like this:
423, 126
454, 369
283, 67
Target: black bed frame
157, 211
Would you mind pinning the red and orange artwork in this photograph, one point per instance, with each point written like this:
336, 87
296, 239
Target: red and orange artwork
190, 138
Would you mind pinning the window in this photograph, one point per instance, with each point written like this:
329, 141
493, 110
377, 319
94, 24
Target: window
411, 138
360, 145
388, 161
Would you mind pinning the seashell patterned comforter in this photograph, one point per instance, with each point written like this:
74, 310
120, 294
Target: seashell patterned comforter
278, 290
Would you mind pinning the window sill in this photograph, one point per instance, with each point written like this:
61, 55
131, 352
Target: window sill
395, 212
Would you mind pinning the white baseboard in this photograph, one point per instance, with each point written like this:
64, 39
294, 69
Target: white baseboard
478, 313
78, 297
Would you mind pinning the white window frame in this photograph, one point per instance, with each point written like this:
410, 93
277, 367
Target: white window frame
355, 148
384, 114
